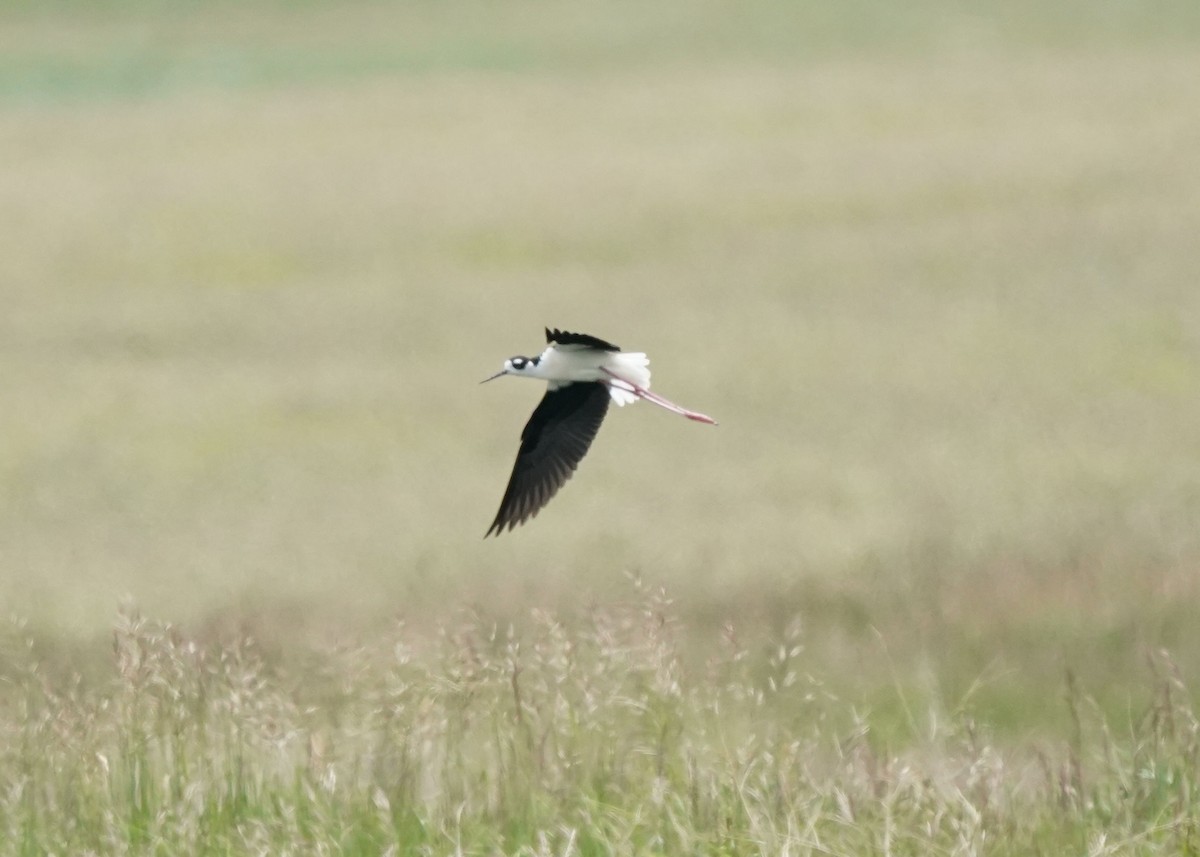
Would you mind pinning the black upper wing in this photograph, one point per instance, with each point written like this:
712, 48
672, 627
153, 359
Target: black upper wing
562, 337
554, 441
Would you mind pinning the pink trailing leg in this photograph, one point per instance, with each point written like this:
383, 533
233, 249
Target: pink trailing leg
656, 399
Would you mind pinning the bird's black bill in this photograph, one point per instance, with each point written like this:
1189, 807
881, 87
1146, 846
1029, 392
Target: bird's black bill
494, 377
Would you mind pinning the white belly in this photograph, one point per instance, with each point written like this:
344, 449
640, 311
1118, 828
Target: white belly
563, 365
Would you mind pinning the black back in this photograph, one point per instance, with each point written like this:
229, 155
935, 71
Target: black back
562, 337
554, 441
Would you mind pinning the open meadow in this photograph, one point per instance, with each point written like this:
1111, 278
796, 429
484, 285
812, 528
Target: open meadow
931, 587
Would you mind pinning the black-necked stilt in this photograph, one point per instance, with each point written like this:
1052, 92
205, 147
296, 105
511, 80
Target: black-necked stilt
582, 374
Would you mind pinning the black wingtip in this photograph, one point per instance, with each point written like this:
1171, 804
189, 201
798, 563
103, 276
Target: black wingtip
566, 337
503, 522
553, 442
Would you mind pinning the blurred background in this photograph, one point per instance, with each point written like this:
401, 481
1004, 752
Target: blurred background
933, 266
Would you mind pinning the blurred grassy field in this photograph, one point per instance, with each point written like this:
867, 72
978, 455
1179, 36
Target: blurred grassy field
932, 265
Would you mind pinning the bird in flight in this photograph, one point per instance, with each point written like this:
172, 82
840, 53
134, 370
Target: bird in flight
582, 373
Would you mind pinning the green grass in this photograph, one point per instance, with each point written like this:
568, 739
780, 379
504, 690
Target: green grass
592, 739
80, 50
933, 268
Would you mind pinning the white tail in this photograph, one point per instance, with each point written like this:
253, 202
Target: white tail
632, 367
